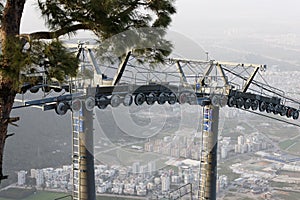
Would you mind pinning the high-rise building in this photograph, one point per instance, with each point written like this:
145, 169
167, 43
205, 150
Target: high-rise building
165, 183
224, 152
151, 167
241, 140
175, 179
148, 146
143, 170
136, 167
244, 148
39, 178
33, 173
22, 177
175, 152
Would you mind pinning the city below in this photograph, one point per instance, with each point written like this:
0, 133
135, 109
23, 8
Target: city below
258, 158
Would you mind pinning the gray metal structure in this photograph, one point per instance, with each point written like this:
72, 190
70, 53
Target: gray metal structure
83, 154
208, 159
209, 84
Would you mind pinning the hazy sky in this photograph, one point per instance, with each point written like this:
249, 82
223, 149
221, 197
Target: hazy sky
206, 16
196, 15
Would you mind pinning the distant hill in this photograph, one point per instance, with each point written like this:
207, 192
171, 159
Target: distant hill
43, 139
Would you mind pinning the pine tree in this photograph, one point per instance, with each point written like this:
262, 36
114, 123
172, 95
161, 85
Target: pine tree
104, 18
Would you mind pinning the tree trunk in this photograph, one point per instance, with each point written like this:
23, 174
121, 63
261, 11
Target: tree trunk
10, 29
7, 96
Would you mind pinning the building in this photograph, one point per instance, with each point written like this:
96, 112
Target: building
175, 179
224, 152
151, 167
241, 140
143, 170
165, 183
136, 167
22, 177
33, 173
141, 189
175, 152
40, 178
148, 147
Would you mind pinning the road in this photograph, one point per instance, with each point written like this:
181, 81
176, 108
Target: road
10, 186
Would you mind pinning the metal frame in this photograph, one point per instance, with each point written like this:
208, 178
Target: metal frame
83, 161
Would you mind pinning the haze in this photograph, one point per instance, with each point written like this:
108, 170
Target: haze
228, 30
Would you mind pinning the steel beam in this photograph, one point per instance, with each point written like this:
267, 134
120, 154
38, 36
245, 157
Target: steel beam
249, 80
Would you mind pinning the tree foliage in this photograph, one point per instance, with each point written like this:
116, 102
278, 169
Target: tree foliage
105, 18
55, 58
135, 25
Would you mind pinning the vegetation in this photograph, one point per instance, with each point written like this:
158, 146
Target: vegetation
29, 194
285, 144
224, 169
105, 18
288, 195
15, 193
281, 184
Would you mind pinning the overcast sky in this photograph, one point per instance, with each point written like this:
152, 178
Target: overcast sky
195, 15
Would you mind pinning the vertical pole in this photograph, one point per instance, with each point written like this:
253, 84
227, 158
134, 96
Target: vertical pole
208, 160
191, 191
87, 171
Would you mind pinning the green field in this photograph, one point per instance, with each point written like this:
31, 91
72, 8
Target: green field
285, 144
224, 169
288, 195
46, 195
291, 146
40, 195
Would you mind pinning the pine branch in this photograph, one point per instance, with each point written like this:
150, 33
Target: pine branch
54, 34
